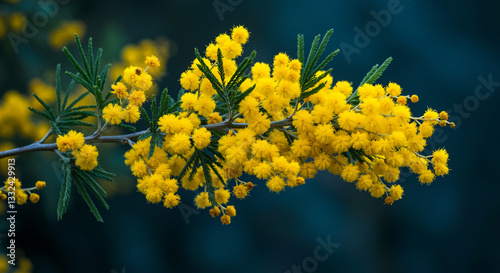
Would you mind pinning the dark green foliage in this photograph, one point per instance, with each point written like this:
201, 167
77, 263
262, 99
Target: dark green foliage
206, 162
228, 95
376, 71
88, 75
165, 106
308, 77
371, 77
67, 115
84, 181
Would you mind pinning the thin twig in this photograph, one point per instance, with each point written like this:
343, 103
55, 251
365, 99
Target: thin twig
46, 136
126, 139
37, 146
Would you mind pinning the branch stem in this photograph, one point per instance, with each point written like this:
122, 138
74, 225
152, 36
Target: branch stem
46, 136
37, 146
126, 139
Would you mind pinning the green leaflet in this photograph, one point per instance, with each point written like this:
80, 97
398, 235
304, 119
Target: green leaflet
84, 181
58, 88
88, 73
312, 65
228, 95
371, 77
65, 193
70, 115
220, 67
238, 76
376, 72
210, 76
152, 121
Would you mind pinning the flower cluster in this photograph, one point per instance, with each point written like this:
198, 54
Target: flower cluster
15, 117
13, 188
153, 174
85, 154
135, 54
64, 33
13, 22
24, 265
132, 95
275, 133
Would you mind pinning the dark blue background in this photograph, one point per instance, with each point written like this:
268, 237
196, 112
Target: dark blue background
441, 49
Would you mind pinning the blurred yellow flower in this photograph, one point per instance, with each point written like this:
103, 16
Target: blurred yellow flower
64, 33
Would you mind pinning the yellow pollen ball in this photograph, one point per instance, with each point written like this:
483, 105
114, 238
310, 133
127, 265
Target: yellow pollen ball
202, 200
34, 198
152, 61
230, 211
225, 219
214, 212
40, 185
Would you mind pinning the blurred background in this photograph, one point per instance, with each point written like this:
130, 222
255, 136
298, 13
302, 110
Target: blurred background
444, 51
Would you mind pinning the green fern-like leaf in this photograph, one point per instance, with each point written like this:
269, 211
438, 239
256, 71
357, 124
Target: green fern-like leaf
65, 193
